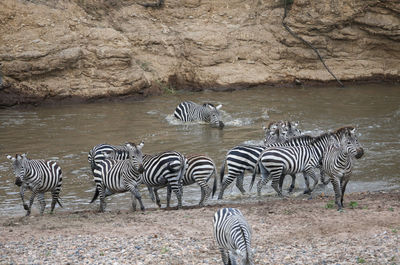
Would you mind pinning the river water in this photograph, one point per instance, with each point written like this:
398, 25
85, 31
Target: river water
66, 133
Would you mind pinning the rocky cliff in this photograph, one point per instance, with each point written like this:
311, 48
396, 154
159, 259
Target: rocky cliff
53, 49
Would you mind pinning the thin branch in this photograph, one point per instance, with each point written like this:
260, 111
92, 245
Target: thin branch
308, 44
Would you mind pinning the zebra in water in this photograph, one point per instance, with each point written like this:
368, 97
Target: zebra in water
39, 176
190, 111
244, 157
276, 162
117, 176
338, 164
233, 236
199, 170
164, 169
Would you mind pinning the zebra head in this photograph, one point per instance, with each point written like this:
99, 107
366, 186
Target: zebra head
354, 141
245, 257
290, 129
135, 153
273, 136
349, 132
215, 118
19, 170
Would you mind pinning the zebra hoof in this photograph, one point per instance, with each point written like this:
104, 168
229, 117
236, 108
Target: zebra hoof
142, 209
26, 207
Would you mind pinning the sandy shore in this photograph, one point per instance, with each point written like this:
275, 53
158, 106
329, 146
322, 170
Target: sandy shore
285, 231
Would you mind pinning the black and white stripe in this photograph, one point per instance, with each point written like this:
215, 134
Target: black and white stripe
165, 169
189, 111
104, 151
118, 176
39, 176
199, 170
276, 162
233, 236
338, 164
245, 157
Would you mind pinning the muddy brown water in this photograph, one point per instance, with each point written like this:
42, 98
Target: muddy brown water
66, 133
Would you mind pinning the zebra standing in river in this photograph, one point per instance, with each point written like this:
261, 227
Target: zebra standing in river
117, 176
233, 236
244, 157
165, 169
39, 176
190, 111
276, 162
199, 170
338, 164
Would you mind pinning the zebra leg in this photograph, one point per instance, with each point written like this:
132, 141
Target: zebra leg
42, 202
169, 191
291, 188
324, 180
22, 194
225, 256
338, 192
151, 193
55, 198
225, 184
136, 196
158, 201
239, 183
34, 192
102, 192
205, 190
343, 184
265, 176
232, 258
275, 183
311, 173
307, 183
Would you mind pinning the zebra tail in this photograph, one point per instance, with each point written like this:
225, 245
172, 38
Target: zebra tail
215, 183
255, 172
96, 194
222, 172
59, 203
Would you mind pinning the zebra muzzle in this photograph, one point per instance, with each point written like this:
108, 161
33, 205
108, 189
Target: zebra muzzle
18, 182
360, 153
141, 169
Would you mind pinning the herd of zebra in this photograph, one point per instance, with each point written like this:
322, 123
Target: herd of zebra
123, 168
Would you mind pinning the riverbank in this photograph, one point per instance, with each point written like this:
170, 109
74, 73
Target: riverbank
289, 231
85, 50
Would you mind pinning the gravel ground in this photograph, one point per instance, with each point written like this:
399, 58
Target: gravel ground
285, 231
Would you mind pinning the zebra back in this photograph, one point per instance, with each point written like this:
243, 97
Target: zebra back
233, 234
189, 111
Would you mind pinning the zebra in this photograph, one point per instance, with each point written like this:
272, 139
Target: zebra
233, 236
105, 151
190, 111
39, 176
244, 157
199, 170
338, 164
117, 176
275, 162
164, 169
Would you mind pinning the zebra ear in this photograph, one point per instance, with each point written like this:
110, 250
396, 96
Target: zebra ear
264, 128
140, 146
219, 106
353, 131
10, 157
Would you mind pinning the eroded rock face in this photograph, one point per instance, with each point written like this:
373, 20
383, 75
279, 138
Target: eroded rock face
93, 49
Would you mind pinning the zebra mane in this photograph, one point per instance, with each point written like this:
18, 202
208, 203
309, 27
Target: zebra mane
344, 130
206, 104
300, 138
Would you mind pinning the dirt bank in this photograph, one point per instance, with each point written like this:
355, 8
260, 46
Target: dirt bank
289, 231
98, 49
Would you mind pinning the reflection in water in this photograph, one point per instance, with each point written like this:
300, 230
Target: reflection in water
66, 133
